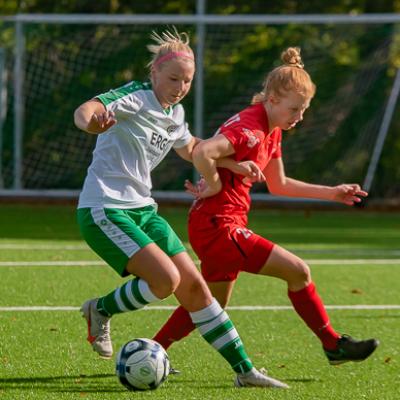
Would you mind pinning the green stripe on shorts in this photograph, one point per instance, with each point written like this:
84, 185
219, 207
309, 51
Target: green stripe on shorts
117, 234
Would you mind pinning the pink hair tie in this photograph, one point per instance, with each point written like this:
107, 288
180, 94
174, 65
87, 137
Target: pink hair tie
173, 54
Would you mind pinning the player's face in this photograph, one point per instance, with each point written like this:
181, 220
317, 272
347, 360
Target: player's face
172, 80
286, 111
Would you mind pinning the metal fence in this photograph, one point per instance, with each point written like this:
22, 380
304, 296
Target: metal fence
213, 35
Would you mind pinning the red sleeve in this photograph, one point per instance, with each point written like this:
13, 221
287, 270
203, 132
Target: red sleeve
243, 139
238, 141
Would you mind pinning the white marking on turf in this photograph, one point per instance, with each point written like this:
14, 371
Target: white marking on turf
17, 246
355, 261
235, 308
51, 263
323, 250
86, 263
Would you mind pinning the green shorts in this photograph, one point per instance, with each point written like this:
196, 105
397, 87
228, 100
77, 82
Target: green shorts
117, 234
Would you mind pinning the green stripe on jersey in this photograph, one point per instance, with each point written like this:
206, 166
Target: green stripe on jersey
115, 94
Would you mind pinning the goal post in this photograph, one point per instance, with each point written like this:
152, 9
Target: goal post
58, 61
3, 106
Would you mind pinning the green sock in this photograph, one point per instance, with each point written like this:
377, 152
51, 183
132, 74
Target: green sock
132, 295
217, 329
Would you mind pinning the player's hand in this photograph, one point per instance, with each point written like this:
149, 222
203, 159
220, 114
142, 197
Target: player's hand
194, 189
99, 123
349, 194
201, 189
249, 169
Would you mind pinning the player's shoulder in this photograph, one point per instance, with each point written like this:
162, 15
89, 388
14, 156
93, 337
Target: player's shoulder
132, 89
134, 86
253, 119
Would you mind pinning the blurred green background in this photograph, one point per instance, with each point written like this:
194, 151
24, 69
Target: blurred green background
353, 67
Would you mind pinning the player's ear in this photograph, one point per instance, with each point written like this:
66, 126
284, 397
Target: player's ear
273, 98
153, 73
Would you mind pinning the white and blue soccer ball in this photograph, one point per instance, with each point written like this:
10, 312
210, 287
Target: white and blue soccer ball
142, 364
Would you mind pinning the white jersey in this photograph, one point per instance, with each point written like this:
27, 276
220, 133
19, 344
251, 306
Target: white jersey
125, 155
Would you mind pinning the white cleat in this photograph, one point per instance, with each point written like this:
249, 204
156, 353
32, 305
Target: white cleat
98, 329
256, 378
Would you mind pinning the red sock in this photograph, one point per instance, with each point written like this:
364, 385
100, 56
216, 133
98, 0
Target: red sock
309, 306
176, 328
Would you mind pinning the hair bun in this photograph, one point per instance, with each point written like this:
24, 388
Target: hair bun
291, 57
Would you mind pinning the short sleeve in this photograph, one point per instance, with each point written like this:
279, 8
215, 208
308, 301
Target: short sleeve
122, 101
242, 139
184, 137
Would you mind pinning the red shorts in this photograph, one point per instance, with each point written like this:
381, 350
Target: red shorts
226, 247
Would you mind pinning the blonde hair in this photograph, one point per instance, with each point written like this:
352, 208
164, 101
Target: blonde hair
169, 42
291, 76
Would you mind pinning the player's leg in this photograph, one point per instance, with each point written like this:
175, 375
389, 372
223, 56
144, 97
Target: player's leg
153, 282
212, 245
206, 313
156, 278
222, 291
118, 239
180, 324
302, 292
309, 306
215, 326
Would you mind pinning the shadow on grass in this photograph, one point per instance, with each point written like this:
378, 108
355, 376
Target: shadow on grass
81, 383
99, 383
302, 380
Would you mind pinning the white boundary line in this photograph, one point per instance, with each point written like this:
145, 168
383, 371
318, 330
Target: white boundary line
355, 261
235, 308
87, 263
94, 263
333, 250
17, 246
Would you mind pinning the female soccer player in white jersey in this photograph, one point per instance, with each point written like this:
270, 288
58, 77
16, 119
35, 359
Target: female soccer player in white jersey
218, 229
137, 125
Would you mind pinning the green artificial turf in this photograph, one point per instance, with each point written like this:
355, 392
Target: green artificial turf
44, 355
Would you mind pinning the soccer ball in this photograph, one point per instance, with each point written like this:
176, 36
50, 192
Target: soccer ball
142, 364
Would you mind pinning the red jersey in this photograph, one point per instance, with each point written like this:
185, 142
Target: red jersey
248, 133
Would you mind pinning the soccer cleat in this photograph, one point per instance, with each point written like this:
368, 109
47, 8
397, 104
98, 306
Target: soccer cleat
256, 378
349, 349
98, 329
173, 371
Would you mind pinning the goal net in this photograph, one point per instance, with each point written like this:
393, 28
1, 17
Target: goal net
63, 65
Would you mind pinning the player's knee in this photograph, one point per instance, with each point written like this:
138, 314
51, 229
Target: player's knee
199, 292
302, 272
167, 285
199, 288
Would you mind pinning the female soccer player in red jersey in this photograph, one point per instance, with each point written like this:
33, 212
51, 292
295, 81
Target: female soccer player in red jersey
218, 229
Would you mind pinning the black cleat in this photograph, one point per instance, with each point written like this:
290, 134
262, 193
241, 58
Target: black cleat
349, 349
173, 371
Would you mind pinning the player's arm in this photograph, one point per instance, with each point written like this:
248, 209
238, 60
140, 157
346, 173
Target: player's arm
279, 184
205, 156
249, 169
93, 117
186, 152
